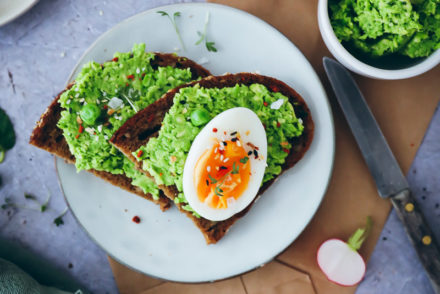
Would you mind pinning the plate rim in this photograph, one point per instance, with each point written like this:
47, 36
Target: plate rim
328, 108
13, 17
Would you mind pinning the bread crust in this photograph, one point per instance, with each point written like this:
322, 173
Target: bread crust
145, 124
47, 136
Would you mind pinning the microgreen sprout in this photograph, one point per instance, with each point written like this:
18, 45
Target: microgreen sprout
173, 22
58, 221
209, 45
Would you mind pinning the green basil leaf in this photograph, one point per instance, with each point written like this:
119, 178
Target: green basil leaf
7, 135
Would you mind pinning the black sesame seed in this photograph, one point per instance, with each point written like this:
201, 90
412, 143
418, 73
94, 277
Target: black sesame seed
250, 153
223, 167
207, 183
255, 153
233, 133
182, 101
224, 143
234, 139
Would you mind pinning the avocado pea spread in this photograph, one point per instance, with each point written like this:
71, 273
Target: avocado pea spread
381, 27
103, 98
164, 156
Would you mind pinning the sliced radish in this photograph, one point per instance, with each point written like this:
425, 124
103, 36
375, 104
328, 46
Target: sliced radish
340, 261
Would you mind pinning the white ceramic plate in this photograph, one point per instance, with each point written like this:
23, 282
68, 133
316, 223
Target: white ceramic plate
11, 9
167, 245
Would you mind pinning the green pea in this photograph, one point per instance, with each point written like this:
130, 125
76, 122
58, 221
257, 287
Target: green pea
200, 117
89, 113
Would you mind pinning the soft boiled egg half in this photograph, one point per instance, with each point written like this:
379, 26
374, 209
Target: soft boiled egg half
225, 165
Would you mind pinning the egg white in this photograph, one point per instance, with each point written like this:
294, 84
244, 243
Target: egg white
239, 119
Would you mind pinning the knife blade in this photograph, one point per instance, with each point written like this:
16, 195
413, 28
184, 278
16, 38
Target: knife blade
384, 168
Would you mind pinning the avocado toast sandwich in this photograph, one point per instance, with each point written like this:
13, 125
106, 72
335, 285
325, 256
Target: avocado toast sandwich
82, 118
158, 139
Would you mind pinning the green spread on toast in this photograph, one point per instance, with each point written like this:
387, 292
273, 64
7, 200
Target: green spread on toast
164, 156
103, 98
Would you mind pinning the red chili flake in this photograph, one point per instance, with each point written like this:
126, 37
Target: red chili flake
105, 107
130, 77
143, 74
214, 130
278, 124
126, 84
115, 59
140, 152
286, 150
221, 151
265, 103
140, 79
161, 174
274, 89
81, 129
224, 133
136, 219
77, 136
264, 126
150, 118
243, 79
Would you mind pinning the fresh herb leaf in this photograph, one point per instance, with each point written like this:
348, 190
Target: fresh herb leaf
213, 181
44, 206
209, 45
2, 154
58, 221
7, 135
29, 196
163, 13
244, 160
173, 22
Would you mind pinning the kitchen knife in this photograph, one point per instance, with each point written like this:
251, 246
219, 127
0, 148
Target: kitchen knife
384, 168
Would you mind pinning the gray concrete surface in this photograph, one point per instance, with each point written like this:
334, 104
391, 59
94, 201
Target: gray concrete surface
37, 53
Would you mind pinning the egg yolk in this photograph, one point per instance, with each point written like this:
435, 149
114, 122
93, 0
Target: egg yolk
222, 173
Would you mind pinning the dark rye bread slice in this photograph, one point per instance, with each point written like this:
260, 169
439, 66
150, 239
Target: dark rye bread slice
47, 136
145, 124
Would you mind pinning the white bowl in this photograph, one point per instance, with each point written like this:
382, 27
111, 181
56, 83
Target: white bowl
357, 66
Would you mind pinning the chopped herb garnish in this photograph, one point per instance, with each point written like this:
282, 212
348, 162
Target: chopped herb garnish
244, 160
173, 22
234, 168
209, 45
213, 181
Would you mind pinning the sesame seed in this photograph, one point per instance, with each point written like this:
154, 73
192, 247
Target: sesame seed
238, 143
226, 160
221, 157
215, 150
77, 95
68, 102
208, 169
138, 70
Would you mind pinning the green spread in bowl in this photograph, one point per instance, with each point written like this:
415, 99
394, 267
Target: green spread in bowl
381, 27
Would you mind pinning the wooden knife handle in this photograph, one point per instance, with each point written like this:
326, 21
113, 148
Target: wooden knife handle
420, 235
